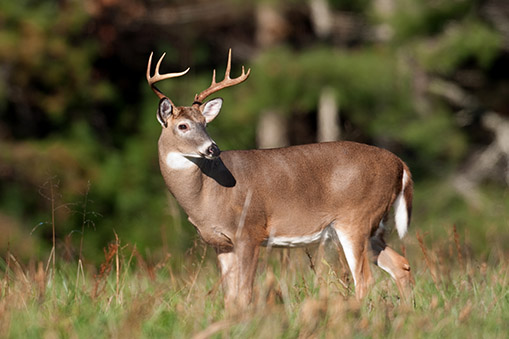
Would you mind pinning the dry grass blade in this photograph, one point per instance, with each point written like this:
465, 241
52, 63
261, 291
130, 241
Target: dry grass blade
458, 246
40, 280
104, 270
213, 329
193, 282
310, 258
19, 271
117, 267
429, 264
127, 266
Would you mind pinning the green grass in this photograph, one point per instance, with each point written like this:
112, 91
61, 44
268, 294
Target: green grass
459, 258
466, 298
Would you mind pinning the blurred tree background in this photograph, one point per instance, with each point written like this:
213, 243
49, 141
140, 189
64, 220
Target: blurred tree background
426, 79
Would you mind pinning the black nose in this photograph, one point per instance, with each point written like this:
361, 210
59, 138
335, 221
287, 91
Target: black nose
213, 150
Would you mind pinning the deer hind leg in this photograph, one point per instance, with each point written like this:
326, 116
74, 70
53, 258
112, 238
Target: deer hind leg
238, 268
393, 263
356, 252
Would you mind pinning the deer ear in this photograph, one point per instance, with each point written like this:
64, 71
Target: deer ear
164, 111
211, 109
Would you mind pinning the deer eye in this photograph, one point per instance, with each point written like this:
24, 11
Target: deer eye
183, 127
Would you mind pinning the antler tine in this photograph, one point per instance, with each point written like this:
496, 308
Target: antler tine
158, 77
159, 63
149, 65
226, 82
213, 77
228, 65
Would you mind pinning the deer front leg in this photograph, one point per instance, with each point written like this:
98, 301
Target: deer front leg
238, 268
248, 259
229, 267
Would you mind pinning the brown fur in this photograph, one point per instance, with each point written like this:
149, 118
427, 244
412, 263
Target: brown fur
296, 191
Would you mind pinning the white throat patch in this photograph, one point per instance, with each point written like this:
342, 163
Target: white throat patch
178, 161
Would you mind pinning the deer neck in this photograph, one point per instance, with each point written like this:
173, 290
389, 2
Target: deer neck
194, 181
183, 177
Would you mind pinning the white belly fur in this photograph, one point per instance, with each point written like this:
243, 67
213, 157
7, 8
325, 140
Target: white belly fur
301, 241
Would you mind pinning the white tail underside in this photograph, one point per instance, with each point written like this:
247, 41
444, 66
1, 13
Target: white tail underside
400, 209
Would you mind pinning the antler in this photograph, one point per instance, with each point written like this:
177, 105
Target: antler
158, 77
227, 82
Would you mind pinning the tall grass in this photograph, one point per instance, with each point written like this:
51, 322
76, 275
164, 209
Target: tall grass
456, 295
460, 291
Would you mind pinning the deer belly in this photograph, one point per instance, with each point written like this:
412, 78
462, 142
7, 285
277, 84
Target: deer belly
298, 241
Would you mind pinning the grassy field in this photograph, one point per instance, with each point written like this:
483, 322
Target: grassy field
455, 296
459, 258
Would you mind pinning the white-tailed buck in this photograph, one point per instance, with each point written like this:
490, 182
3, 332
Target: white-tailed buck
286, 197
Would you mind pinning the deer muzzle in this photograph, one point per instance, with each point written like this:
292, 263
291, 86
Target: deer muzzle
213, 151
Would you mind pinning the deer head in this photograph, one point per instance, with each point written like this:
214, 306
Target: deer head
184, 128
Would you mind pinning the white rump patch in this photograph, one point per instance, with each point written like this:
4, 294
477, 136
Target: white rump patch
400, 209
178, 161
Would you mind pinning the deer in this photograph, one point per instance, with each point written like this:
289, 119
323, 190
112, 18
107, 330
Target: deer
242, 200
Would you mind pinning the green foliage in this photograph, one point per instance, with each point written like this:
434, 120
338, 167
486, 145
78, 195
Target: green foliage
417, 18
350, 5
75, 107
367, 81
420, 133
440, 208
44, 43
459, 44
